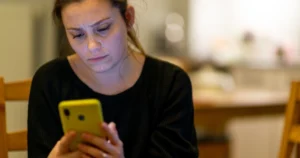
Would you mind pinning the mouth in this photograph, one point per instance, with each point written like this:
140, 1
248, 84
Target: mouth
97, 58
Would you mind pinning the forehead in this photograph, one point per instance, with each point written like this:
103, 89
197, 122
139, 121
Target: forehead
87, 11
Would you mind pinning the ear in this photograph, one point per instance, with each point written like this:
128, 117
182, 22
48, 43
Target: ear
130, 16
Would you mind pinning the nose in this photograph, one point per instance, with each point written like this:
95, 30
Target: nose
93, 45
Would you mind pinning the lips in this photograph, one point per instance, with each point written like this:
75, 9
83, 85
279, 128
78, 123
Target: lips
97, 58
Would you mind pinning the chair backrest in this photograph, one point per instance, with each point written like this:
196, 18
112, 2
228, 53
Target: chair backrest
12, 91
291, 132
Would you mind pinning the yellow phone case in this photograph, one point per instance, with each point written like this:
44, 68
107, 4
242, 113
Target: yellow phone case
83, 115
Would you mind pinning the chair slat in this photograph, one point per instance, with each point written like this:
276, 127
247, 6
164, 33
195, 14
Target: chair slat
17, 141
291, 131
17, 90
295, 134
12, 91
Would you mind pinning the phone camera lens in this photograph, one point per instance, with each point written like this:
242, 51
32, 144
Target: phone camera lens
67, 112
81, 117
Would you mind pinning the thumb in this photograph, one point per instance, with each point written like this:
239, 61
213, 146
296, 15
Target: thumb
55, 151
65, 142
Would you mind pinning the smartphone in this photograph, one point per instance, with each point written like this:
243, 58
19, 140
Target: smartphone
84, 115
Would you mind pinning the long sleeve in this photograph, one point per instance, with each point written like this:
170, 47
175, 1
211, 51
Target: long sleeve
43, 123
175, 134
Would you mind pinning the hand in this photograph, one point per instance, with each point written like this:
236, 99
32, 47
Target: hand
100, 147
61, 149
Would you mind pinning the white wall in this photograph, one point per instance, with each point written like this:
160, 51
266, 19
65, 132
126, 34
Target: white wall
16, 57
257, 137
26, 42
43, 29
150, 15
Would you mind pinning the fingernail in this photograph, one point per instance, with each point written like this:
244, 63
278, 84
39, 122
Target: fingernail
113, 124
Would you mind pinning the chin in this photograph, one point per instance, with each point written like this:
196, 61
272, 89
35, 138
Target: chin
101, 68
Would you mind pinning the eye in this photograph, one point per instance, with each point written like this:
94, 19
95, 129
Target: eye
103, 28
78, 35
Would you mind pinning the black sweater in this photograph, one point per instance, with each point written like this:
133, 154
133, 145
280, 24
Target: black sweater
154, 118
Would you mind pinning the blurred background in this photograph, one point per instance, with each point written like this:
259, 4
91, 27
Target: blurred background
241, 56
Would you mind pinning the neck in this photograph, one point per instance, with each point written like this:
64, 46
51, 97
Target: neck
116, 75
113, 76
122, 76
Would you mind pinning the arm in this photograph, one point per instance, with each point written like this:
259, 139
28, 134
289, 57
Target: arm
44, 128
175, 134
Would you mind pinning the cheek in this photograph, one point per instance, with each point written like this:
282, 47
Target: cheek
77, 46
116, 42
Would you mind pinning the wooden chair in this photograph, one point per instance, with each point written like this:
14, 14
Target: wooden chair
291, 132
12, 91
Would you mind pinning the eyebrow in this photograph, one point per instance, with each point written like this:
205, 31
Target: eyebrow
96, 23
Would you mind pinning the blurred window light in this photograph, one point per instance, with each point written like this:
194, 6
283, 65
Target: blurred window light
174, 27
174, 33
278, 20
175, 18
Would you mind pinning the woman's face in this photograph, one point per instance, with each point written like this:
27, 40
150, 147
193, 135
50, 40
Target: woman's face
97, 33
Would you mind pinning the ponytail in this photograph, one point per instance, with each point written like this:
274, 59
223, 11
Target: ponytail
133, 40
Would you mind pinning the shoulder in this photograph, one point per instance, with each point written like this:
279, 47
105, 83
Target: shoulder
171, 89
50, 71
166, 81
168, 72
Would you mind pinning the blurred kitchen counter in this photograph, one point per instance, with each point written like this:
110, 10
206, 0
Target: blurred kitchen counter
243, 98
214, 108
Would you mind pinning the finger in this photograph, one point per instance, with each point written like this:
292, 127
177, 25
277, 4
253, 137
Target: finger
112, 136
66, 140
112, 126
98, 142
74, 154
85, 156
93, 152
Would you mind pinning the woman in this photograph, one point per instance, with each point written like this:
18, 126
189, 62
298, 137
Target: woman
147, 102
